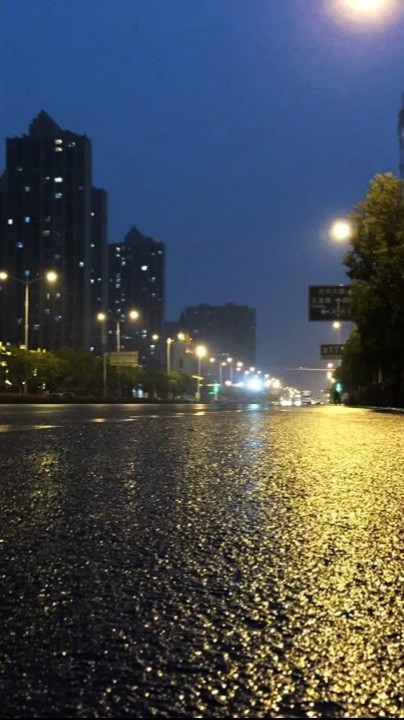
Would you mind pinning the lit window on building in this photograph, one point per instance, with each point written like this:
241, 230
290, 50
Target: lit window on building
10, 221
27, 219
92, 281
71, 144
48, 218
58, 179
144, 268
58, 295
58, 149
81, 263
92, 214
92, 245
46, 233
20, 245
47, 311
19, 168
58, 196
58, 141
27, 188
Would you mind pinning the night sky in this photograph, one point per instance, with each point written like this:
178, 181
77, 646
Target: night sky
231, 130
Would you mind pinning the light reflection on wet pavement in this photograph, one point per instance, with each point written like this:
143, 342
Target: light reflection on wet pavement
202, 565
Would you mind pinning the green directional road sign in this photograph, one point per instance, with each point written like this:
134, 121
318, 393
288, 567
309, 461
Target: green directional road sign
331, 352
330, 302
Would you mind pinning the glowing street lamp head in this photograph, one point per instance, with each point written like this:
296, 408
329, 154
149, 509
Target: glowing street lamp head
336, 325
155, 337
134, 314
363, 12
341, 230
101, 317
51, 276
201, 351
229, 360
3, 275
181, 336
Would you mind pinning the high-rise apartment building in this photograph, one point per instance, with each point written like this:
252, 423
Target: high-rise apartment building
51, 219
137, 282
228, 330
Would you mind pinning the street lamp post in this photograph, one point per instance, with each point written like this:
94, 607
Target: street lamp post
230, 361
221, 366
133, 315
182, 338
169, 341
102, 318
50, 276
200, 352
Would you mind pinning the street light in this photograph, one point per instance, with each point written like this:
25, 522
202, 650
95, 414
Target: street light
182, 337
230, 361
363, 12
341, 230
133, 315
200, 352
169, 341
51, 276
221, 366
102, 318
337, 326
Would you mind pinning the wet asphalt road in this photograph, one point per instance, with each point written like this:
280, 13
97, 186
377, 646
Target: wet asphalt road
171, 562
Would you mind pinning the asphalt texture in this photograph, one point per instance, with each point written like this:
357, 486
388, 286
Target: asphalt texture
180, 562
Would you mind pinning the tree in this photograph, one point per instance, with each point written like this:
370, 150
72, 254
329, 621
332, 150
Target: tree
376, 265
84, 371
20, 365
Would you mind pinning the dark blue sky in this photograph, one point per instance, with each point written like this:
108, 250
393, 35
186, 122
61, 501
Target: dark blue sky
232, 130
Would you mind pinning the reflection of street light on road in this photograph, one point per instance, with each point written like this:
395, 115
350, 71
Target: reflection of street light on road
51, 276
200, 352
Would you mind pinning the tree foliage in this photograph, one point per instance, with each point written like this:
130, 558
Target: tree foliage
376, 266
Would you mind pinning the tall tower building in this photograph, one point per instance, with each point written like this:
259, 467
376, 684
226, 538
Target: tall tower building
46, 223
137, 282
227, 329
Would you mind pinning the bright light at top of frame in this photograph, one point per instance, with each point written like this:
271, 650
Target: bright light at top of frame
365, 12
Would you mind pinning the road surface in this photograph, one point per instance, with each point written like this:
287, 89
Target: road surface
182, 562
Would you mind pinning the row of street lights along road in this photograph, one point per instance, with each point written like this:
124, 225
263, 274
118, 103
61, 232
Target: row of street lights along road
251, 379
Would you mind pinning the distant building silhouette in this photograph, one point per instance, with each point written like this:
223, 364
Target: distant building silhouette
51, 218
137, 282
228, 330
